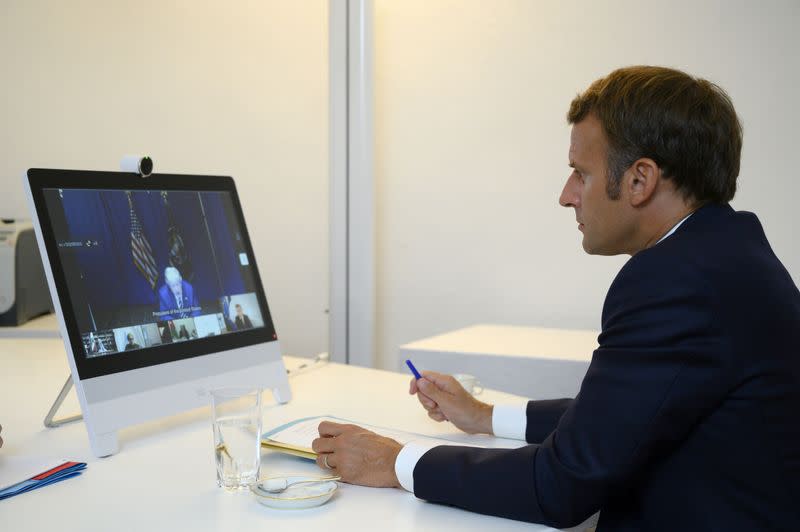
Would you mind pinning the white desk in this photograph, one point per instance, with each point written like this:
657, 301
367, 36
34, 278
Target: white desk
532, 362
164, 476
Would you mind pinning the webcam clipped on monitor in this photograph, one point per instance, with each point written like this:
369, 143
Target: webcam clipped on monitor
157, 293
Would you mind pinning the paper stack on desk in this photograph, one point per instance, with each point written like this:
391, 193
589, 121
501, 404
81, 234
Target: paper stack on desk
21, 474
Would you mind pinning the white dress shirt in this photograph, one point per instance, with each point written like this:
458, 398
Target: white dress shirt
178, 300
508, 421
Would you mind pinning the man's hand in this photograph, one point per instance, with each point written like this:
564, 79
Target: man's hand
358, 455
446, 400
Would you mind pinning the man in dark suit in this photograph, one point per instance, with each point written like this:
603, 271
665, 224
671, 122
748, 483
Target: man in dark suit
242, 320
177, 297
687, 418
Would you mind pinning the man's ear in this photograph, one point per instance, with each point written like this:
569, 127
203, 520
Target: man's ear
641, 179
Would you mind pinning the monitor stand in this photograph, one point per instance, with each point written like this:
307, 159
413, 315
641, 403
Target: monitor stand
49, 420
107, 444
102, 444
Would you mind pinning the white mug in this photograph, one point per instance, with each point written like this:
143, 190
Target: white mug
469, 382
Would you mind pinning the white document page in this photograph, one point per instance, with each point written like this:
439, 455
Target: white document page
302, 433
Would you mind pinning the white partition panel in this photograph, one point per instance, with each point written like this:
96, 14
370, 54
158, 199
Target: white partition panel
352, 323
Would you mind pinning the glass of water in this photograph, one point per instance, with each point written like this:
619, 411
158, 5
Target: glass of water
237, 436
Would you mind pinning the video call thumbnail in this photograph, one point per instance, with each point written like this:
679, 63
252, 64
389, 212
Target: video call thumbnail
99, 343
238, 312
242, 312
210, 325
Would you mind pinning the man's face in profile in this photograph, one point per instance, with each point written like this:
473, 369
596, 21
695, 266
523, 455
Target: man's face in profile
130, 338
605, 223
239, 310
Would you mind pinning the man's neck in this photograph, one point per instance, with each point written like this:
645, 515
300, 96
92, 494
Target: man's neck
664, 224
655, 219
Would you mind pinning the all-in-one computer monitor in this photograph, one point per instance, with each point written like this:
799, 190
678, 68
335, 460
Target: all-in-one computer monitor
157, 293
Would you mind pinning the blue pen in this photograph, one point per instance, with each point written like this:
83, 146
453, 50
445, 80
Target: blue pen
413, 370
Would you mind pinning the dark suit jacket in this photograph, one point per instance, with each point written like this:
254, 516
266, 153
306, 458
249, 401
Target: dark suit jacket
689, 415
166, 301
243, 323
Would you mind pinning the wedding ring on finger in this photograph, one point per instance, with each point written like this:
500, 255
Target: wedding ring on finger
325, 461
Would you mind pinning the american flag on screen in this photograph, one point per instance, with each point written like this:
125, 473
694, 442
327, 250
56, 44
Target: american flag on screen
140, 249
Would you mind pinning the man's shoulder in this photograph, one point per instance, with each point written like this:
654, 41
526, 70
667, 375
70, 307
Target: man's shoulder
714, 259
679, 267
711, 245
663, 268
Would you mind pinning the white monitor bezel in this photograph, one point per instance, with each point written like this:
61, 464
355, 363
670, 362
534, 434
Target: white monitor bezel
117, 396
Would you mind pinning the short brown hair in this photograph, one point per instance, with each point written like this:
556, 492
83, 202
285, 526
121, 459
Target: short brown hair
687, 125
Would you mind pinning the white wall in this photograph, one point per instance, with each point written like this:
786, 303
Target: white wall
471, 145
229, 87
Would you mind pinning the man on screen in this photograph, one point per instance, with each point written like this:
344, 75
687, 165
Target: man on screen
184, 334
131, 343
95, 345
242, 320
177, 297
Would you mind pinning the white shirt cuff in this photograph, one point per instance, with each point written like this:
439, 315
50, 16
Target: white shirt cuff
407, 461
510, 421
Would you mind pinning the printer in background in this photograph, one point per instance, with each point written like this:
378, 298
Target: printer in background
23, 287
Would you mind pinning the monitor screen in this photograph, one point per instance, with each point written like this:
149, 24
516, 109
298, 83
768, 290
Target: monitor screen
151, 275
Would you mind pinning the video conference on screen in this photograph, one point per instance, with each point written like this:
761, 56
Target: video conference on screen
147, 268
